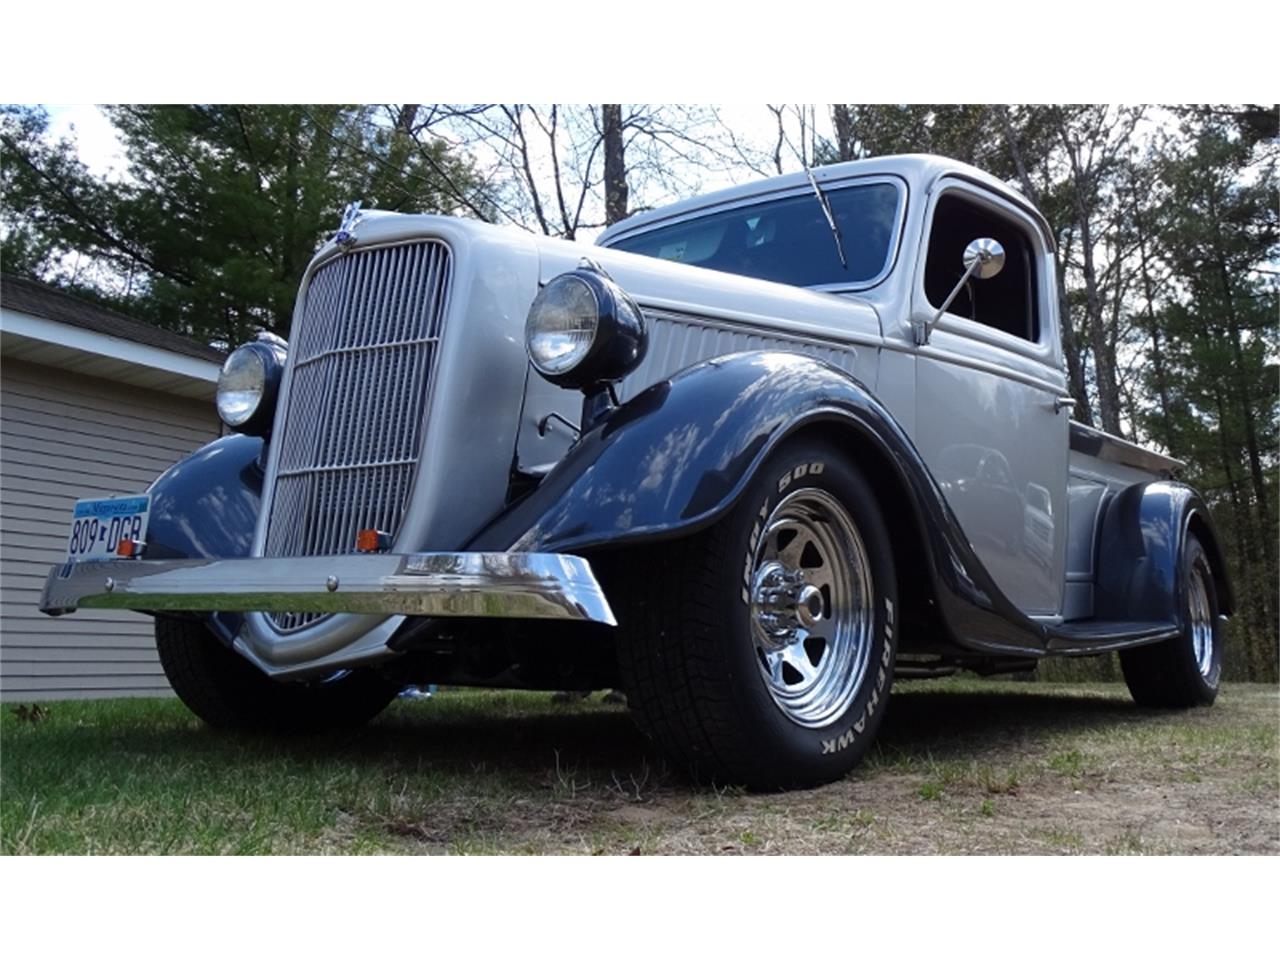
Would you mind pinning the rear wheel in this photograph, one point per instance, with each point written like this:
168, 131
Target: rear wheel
1183, 671
225, 690
760, 651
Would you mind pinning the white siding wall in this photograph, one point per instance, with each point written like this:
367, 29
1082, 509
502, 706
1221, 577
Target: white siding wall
64, 436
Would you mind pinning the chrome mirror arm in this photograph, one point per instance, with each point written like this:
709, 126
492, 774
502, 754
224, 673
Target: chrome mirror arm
983, 256
924, 329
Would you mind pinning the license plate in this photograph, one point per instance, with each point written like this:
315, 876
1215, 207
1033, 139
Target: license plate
99, 525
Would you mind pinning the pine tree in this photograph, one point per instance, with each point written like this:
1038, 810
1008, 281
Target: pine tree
221, 208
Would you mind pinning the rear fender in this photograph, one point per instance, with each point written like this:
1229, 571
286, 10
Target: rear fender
1140, 550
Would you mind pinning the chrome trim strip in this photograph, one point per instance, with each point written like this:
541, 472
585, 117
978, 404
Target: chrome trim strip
545, 586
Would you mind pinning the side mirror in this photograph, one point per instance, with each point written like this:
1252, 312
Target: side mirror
986, 255
984, 258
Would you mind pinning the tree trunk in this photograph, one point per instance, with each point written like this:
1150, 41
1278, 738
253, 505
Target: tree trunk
1096, 323
1244, 395
1084, 189
402, 144
615, 164
842, 121
1153, 329
404, 119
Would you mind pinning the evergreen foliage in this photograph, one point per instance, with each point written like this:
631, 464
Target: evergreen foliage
221, 208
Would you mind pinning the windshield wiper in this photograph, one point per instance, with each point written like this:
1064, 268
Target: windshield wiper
831, 220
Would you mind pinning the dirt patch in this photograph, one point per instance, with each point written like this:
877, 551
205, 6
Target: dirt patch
1012, 768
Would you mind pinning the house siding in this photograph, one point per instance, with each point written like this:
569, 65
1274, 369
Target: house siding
65, 436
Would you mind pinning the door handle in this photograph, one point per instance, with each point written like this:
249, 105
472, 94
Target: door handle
1063, 403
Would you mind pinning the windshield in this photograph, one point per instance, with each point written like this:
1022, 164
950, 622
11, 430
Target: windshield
787, 240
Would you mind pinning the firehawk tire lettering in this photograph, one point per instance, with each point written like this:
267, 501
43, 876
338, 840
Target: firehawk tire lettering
847, 738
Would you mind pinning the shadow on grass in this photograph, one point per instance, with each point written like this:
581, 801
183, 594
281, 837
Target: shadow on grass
941, 724
525, 736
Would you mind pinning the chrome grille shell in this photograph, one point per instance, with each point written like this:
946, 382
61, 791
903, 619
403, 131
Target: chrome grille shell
362, 362
469, 423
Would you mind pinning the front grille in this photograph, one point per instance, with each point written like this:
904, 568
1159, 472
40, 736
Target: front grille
363, 353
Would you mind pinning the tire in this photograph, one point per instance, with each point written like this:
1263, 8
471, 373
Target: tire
1184, 671
712, 629
226, 691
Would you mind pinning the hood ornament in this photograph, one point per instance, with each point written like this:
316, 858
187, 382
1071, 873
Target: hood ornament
346, 235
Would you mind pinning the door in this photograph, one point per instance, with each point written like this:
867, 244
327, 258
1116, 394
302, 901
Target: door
989, 419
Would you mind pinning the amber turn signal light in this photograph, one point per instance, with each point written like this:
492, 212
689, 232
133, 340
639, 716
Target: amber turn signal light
129, 548
372, 541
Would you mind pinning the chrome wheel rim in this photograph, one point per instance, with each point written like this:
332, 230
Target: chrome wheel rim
811, 608
1201, 621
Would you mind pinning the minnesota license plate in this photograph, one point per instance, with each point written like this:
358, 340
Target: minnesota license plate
99, 525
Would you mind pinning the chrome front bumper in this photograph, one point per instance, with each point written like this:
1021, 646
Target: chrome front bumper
523, 585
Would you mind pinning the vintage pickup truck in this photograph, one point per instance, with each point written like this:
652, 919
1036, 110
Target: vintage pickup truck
748, 458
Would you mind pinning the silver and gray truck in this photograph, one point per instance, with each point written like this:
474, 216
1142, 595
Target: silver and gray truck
747, 458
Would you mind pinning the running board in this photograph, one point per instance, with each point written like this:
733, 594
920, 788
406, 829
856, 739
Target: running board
1082, 637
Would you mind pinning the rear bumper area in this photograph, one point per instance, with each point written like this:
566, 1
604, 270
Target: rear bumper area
505, 585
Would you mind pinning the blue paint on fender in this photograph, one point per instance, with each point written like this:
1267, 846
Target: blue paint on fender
677, 455
207, 506
1140, 552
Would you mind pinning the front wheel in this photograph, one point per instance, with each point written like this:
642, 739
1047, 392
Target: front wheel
1185, 670
225, 690
761, 650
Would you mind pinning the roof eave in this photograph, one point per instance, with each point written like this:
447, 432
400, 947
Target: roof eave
25, 336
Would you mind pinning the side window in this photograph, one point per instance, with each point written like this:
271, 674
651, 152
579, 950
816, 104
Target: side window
1006, 301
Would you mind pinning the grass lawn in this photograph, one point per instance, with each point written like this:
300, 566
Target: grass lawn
960, 767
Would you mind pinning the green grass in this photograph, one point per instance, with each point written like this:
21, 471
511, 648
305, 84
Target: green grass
930, 791
1069, 764
962, 766
145, 776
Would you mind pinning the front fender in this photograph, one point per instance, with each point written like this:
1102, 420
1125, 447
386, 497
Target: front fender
1140, 552
206, 506
677, 455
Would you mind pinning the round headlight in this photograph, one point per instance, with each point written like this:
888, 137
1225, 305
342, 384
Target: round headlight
247, 387
562, 325
583, 330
